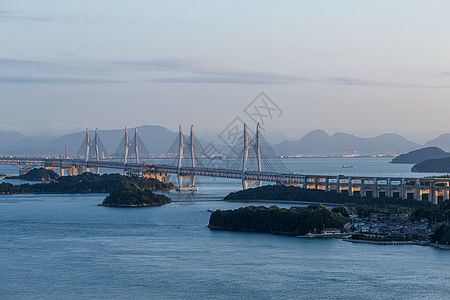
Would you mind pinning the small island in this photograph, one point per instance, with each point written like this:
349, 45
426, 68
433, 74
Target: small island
134, 198
37, 174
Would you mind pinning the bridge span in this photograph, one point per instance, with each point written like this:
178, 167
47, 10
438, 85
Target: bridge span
255, 162
422, 189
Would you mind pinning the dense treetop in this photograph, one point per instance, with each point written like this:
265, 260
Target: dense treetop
297, 221
134, 198
85, 183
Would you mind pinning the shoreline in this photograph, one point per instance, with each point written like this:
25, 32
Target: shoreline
285, 202
417, 243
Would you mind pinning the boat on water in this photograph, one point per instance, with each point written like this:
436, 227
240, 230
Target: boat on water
347, 166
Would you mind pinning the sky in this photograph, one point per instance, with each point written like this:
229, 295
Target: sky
356, 66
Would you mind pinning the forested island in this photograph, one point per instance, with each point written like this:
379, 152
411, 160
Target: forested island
37, 174
86, 183
134, 198
291, 193
298, 221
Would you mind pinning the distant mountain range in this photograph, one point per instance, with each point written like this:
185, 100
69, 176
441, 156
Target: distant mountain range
159, 139
319, 142
156, 138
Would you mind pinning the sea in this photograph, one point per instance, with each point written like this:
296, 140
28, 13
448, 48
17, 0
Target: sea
67, 247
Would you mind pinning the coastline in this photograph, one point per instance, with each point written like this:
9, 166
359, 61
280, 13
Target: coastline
285, 202
417, 243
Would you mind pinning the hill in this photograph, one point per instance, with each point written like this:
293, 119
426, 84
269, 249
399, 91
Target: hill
156, 138
319, 142
417, 156
439, 165
442, 141
134, 197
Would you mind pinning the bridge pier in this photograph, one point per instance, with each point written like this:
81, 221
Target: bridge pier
389, 187
375, 188
403, 189
363, 188
96, 170
350, 187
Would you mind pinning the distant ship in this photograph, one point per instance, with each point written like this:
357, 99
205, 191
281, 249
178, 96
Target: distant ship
345, 166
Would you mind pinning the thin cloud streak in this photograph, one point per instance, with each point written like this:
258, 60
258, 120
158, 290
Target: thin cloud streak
54, 80
374, 83
193, 71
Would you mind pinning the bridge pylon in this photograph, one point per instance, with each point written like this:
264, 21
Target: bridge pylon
257, 148
181, 146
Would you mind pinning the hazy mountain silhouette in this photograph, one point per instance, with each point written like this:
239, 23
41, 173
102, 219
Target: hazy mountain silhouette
157, 139
442, 141
417, 156
319, 142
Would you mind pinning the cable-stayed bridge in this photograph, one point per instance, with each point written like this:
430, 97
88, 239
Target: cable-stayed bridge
250, 160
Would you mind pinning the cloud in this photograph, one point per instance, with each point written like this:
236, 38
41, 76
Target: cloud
446, 73
20, 63
367, 82
200, 72
254, 78
186, 65
55, 80
6, 15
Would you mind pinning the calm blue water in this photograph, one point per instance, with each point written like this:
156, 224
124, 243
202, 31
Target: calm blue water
67, 247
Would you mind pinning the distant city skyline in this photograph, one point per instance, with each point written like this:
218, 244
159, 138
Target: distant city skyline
362, 67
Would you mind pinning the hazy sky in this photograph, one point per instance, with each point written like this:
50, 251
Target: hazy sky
364, 67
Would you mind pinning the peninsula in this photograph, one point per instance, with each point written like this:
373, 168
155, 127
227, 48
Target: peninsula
294, 221
86, 183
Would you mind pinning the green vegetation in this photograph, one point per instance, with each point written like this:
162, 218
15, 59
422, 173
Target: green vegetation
381, 238
277, 220
85, 183
291, 193
441, 234
341, 210
434, 214
38, 174
134, 198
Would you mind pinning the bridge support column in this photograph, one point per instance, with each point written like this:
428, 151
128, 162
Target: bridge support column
338, 184
403, 189
327, 184
316, 182
363, 188
389, 187
433, 193
79, 170
375, 188
418, 189
350, 187
163, 177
